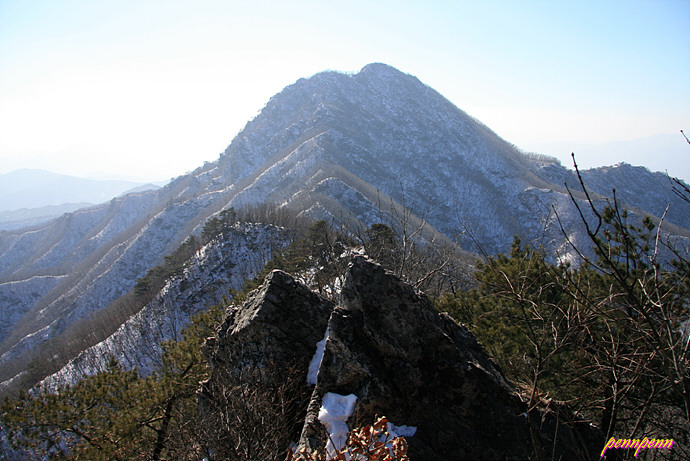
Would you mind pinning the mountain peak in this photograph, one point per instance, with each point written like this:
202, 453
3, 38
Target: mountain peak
372, 72
380, 69
379, 72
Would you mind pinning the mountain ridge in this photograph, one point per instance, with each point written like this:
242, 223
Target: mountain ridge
354, 149
224, 264
30, 197
29, 188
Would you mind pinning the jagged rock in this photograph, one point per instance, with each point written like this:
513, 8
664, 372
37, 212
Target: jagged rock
254, 402
280, 322
387, 345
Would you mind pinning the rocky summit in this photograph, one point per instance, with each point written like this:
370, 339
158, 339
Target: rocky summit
386, 349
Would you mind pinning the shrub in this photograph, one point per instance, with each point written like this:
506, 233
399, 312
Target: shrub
369, 443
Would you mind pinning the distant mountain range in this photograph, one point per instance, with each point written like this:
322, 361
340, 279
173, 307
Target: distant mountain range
31, 196
348, 148
660, 152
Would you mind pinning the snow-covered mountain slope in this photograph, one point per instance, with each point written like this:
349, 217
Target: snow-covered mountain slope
340, 145
27, 217
345, 147
96, 256
224, 264
636, 187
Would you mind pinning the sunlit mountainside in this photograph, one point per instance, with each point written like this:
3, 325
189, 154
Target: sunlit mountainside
333, 166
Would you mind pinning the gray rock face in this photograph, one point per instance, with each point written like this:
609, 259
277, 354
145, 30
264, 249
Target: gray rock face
280, 322
253, 404
387, 345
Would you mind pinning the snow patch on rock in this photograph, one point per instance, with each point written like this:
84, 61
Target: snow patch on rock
315, 363
334, 412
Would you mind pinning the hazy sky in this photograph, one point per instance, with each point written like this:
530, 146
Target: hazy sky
152, 89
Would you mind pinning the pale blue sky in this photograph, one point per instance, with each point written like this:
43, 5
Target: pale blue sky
155, 88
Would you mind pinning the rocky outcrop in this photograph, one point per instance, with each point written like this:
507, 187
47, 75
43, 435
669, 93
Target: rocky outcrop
253, 404
279, 323
386, 345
